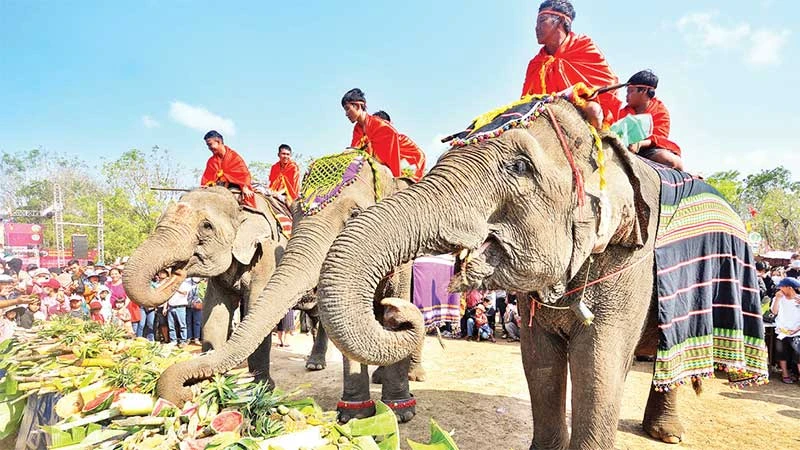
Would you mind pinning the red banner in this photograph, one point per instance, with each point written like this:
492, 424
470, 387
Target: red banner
22, 234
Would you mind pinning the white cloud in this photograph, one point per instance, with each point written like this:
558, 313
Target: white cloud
757, 47
767, 46
149, 122
200, 119
701, 27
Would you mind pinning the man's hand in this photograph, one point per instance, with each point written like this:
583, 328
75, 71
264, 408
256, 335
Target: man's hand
247, 192
634, 148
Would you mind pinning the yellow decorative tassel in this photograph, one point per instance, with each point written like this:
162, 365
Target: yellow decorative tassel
487, 117
601, 159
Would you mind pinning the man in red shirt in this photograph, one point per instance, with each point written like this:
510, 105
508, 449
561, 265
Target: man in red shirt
284, 176
378, 137
641, 98
567, 58
226, 167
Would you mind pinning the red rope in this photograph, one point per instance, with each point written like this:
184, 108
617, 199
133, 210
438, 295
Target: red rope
576, 173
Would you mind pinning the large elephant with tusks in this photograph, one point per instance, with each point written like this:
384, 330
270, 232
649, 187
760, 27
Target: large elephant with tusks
537, 201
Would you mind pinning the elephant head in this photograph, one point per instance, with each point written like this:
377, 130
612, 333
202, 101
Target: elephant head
200, 235
511, 206
297, 273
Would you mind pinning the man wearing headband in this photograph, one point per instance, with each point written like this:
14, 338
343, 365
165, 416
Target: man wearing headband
567, 58
641, 98
225, 167
378, 137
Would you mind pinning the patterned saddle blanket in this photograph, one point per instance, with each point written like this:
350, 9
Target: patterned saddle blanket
709, 310
493, 123
327, 176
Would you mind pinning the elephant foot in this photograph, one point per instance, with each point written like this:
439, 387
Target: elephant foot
377, 375
667, 431
260, 377
416, 373
405, 409
354, 410
315, 362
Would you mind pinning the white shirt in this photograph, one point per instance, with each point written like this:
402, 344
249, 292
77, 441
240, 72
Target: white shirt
181, 296
788, 317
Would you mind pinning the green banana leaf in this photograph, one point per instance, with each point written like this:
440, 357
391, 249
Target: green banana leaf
440, 440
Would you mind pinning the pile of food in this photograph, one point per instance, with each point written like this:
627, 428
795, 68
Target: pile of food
106, 383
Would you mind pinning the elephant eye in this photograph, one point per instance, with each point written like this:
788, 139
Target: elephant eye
207, 226
519, 166
355, 212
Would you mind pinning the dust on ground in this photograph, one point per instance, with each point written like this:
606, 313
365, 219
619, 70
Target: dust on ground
478, 390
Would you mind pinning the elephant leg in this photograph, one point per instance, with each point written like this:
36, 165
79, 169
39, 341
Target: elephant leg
544, 358
258, 362
316, 360
395, 392
217, 316
377, 375
599, 358
355, 402
661, 419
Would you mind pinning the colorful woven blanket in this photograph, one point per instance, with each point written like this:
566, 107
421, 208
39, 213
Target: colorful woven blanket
709, 310
518, 114
327, 176
431, 275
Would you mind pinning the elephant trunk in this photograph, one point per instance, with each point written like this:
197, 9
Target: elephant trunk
297, 273
422, 219
167, 248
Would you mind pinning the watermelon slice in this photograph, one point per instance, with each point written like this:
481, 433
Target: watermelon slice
163, 408
100, 403
227, 421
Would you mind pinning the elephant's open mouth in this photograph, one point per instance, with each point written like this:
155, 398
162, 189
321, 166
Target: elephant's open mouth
177, 274
474, 267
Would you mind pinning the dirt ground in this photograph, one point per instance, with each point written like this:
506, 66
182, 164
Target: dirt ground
479, 391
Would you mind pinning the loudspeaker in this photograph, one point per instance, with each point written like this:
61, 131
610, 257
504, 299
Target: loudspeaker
80, 246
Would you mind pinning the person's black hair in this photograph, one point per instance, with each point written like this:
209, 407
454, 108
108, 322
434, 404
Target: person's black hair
761, 266
284, 146
354, 95
15, 265
213, 134
562, 6
645, 78
30, 267
383, 115
73, 261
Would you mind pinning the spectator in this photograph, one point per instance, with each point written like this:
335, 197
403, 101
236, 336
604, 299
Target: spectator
176, 313
8, 322
762, 269
512, 319
92, 285
794, 266
76, 309
104, 298
121, 316
194, 313
469, 301
284, 328
94, 312
77, 280
27, 316
786, 308
500, 301
52, 300
480, 323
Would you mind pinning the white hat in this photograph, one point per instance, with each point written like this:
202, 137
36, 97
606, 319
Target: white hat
102, 288
6, 278
75, 297
40, 271
91, 273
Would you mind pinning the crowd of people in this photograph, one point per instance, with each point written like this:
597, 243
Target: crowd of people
95, 292
780, 291
483, 313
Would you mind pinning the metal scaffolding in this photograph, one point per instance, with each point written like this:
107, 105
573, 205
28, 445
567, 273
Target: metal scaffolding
58, 221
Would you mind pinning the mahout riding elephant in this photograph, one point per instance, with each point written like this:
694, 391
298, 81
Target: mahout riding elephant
543, 204
336, 189
208, 234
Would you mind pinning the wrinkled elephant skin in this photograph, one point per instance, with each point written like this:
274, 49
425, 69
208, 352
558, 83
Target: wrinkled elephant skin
510, 204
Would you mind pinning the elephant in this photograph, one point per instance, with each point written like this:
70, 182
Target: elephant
208, 234
548, 206
319, 215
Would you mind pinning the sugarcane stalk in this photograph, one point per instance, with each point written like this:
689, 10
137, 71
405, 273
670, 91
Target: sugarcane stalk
93, 418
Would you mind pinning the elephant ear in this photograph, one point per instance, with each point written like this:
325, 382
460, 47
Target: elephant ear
617, 216
254, 230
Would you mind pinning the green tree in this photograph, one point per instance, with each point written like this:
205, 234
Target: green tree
729, 185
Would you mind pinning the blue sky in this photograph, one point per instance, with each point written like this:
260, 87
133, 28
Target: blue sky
98, 78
